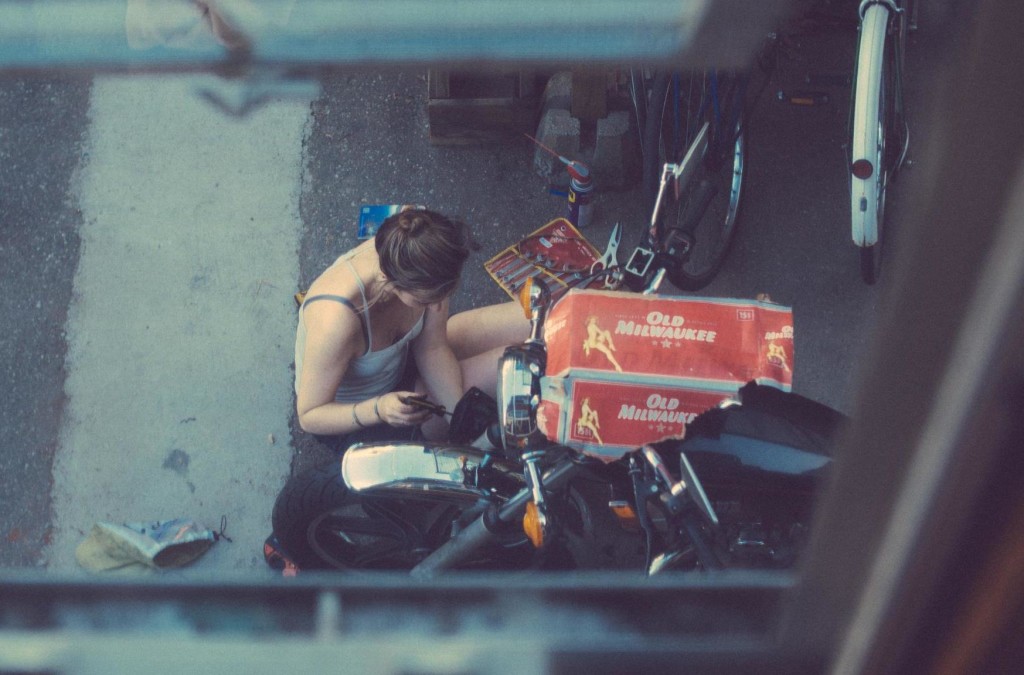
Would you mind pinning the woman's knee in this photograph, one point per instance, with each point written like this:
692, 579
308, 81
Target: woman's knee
481, 371
482, 329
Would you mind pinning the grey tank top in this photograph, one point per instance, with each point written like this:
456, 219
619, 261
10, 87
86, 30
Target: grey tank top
372, 373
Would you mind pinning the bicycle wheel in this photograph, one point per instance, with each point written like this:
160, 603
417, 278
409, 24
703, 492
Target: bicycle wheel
700, 209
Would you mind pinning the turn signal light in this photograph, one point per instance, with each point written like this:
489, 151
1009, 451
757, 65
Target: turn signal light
524, 297
532, 526
862, 169
623, 510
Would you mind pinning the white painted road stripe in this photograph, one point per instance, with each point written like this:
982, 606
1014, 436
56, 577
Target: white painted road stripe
181, 329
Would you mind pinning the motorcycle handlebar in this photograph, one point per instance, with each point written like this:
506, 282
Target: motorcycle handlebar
485, 529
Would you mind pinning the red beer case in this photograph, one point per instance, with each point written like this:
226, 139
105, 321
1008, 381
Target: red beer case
626, 369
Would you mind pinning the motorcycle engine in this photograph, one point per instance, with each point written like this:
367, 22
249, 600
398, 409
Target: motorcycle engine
756, 540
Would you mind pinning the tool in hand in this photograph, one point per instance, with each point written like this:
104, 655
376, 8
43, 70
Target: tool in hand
423, 402
610, 257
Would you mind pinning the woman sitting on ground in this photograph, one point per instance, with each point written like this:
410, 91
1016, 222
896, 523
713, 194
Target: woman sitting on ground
374, 306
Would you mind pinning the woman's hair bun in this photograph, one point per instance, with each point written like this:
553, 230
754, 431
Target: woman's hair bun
420, 249
412, 222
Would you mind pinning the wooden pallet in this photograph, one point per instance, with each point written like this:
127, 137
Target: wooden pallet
468, 108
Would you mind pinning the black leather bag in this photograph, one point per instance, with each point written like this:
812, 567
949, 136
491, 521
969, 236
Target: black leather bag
473, 414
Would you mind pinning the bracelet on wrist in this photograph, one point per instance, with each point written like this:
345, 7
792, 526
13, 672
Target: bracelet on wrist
376, 409
355, 418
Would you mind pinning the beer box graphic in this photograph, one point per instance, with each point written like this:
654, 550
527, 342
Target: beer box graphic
609, 419
626, 369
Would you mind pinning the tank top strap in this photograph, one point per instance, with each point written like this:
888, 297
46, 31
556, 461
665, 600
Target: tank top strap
343, 301
366, 308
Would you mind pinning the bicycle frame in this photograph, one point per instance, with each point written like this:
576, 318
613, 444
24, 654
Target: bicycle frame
695, 124
681, 173
643, 258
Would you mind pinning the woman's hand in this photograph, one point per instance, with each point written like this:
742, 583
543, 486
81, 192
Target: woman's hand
391, 410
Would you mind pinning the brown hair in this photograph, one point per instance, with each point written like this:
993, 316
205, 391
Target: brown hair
422, 250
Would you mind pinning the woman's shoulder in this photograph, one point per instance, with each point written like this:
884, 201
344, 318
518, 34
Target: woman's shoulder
340, 278
332, 295
330, 319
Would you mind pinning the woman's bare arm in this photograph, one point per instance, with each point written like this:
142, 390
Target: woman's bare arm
435, 360
333, 338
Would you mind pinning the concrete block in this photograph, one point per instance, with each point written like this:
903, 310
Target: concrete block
559, 131
611, 151
617, 158
558, 89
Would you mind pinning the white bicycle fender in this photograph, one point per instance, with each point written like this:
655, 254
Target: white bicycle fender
865, 131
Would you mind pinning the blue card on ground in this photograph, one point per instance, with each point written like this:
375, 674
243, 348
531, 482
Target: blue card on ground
371, 217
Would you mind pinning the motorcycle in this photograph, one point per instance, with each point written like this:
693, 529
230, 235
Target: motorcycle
737, 490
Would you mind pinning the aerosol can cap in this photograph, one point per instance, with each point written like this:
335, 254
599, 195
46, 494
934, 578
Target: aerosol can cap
578, 171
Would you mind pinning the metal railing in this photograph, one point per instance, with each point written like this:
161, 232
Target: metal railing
385, 623
168, 35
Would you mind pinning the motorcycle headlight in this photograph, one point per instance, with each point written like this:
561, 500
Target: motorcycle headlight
519, 373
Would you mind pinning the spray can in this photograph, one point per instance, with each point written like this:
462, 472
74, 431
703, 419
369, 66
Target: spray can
581, 195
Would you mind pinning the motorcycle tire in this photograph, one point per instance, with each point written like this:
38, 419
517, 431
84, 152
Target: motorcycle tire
321, 524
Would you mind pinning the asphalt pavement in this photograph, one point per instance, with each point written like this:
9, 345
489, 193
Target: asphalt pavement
42, 124
245, 213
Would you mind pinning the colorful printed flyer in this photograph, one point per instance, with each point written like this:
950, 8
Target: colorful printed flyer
371, 217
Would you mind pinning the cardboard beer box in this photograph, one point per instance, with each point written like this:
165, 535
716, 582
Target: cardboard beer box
625, 369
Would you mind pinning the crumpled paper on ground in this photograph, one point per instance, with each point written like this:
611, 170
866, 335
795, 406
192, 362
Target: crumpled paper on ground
153, 545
